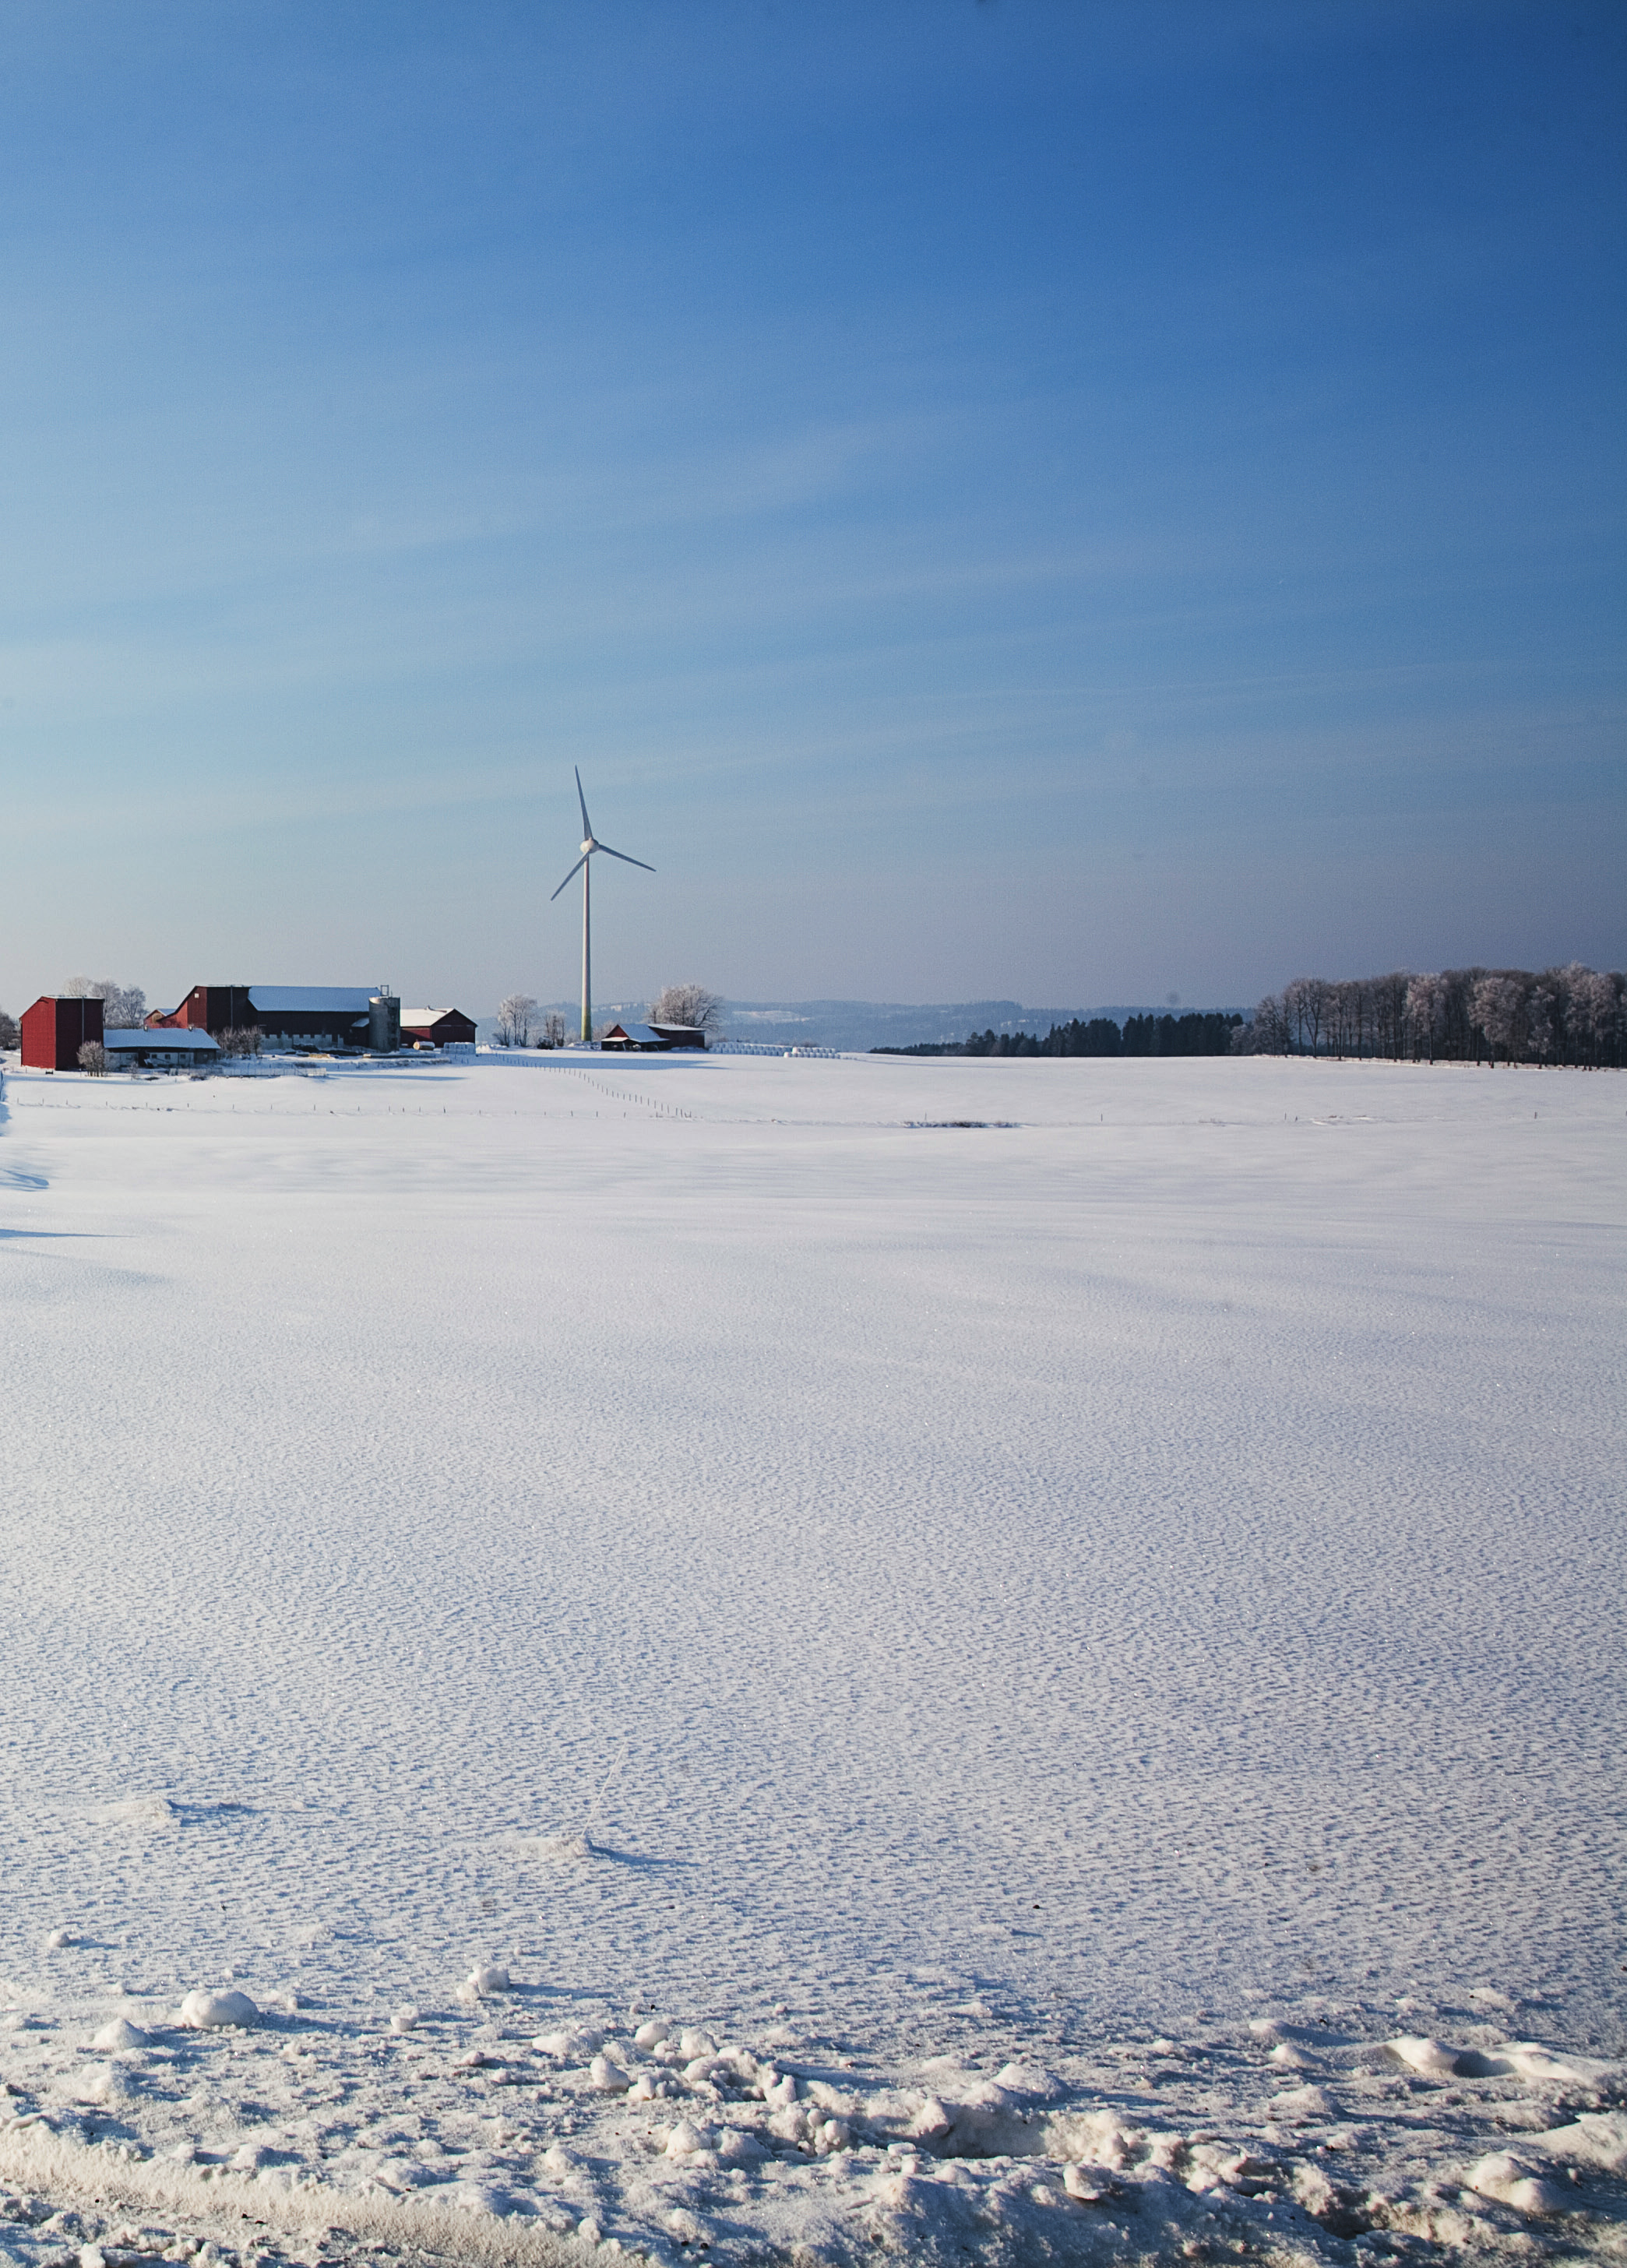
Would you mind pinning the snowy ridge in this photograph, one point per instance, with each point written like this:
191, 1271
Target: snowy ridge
458, 2134
236, 2206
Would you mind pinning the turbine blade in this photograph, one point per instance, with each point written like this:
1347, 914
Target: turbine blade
571, 876
587, 831
623, 856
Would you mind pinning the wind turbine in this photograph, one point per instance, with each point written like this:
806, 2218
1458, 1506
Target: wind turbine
584, 867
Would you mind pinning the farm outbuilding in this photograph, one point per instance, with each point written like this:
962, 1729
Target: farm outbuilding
335, 1019
56, 1028
168, 1048
651, 1039
437, 1027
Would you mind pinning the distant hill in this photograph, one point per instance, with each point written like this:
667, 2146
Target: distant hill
860, 1025
864, 1024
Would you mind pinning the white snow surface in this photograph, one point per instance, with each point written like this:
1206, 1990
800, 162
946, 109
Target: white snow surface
1003, 1659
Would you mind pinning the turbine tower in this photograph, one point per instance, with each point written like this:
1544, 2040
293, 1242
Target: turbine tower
583, 865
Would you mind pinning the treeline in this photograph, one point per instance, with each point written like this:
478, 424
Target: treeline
1572, 1015
1195, 1033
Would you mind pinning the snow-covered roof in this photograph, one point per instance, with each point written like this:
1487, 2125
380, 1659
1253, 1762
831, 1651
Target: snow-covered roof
326, 999
176, 1037
430, 1015
643, 1034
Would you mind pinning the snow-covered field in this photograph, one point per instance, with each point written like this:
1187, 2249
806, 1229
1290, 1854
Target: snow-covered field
1036, 1647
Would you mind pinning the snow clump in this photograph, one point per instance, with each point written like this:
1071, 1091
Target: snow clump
119, 2034
474, 2197
1428, 2057
1300, 2104
1597, 2138
1510, 2181
214, 2012
576, 2043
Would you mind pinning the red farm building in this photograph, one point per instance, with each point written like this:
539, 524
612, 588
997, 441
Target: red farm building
55, 1030
650, 1039
437, 1027
336, 1019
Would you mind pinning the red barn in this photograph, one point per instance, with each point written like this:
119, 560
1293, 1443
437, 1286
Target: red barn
209, 1008
55, 1030
437, 1027
651, 1039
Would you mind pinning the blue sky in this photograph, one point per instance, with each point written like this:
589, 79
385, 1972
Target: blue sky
1067, 502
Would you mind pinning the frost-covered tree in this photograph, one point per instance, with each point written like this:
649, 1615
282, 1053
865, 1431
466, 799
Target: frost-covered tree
1426, 1015
691, 1005
93, 1054
123, 1005
1497, 1004
1570, 1015
516, 1020
1595, 1009
1544, 1016
9, 1035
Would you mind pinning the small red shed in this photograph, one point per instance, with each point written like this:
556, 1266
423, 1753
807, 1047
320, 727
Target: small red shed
437, 1027
55, 1030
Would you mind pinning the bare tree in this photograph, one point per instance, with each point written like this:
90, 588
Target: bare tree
93, 1054
1270, 1034
1389, 1013
10, 1035
516, 1016
553, 1030
693, 1006
1346, 1011
1306, 1002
